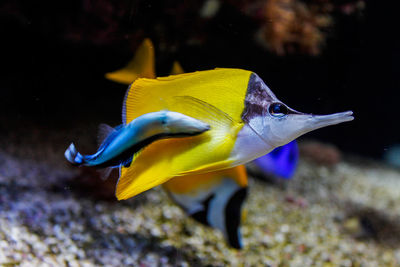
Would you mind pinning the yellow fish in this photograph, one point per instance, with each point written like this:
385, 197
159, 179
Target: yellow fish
176, 69
142, 65
246, 119
214, 198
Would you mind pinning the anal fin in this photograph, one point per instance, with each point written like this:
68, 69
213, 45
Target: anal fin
105, 172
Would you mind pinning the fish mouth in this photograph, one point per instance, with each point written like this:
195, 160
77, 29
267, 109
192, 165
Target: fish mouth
319, 121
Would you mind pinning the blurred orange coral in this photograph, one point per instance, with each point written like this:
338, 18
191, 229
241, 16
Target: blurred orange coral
292, 25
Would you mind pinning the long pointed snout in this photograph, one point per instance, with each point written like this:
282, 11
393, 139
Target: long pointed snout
319, 121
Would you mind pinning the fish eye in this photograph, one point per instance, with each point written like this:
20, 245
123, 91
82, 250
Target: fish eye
278, 110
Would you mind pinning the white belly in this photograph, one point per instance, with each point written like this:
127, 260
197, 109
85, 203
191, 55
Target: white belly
249, 146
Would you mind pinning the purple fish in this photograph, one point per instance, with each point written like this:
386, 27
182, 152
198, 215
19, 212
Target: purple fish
282, 161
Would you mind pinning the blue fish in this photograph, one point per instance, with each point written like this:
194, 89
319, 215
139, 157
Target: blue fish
282, 161
121, 143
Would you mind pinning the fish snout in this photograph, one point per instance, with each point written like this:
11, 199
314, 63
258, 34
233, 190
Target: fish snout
319, 121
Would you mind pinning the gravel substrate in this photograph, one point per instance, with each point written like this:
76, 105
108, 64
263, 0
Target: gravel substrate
345, 215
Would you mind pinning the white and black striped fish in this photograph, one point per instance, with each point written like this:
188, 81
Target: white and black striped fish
214, 199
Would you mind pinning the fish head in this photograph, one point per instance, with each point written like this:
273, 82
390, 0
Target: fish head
281, 124
276, 124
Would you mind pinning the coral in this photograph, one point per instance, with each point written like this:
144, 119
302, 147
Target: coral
284, 26
292, 25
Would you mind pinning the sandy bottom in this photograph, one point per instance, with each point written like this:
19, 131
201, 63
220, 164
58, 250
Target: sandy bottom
53, 214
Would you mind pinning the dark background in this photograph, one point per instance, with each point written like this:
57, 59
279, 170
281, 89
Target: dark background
54, 55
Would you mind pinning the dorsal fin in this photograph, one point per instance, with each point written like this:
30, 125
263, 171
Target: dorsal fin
104, 131
214, 87
176, 68
141, 65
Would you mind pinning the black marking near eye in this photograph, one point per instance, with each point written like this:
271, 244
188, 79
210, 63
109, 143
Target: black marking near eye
257, 98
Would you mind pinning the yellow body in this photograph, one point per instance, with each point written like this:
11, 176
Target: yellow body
190, 184
141, 66
215, 97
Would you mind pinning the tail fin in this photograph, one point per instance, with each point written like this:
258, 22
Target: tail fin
73, 156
